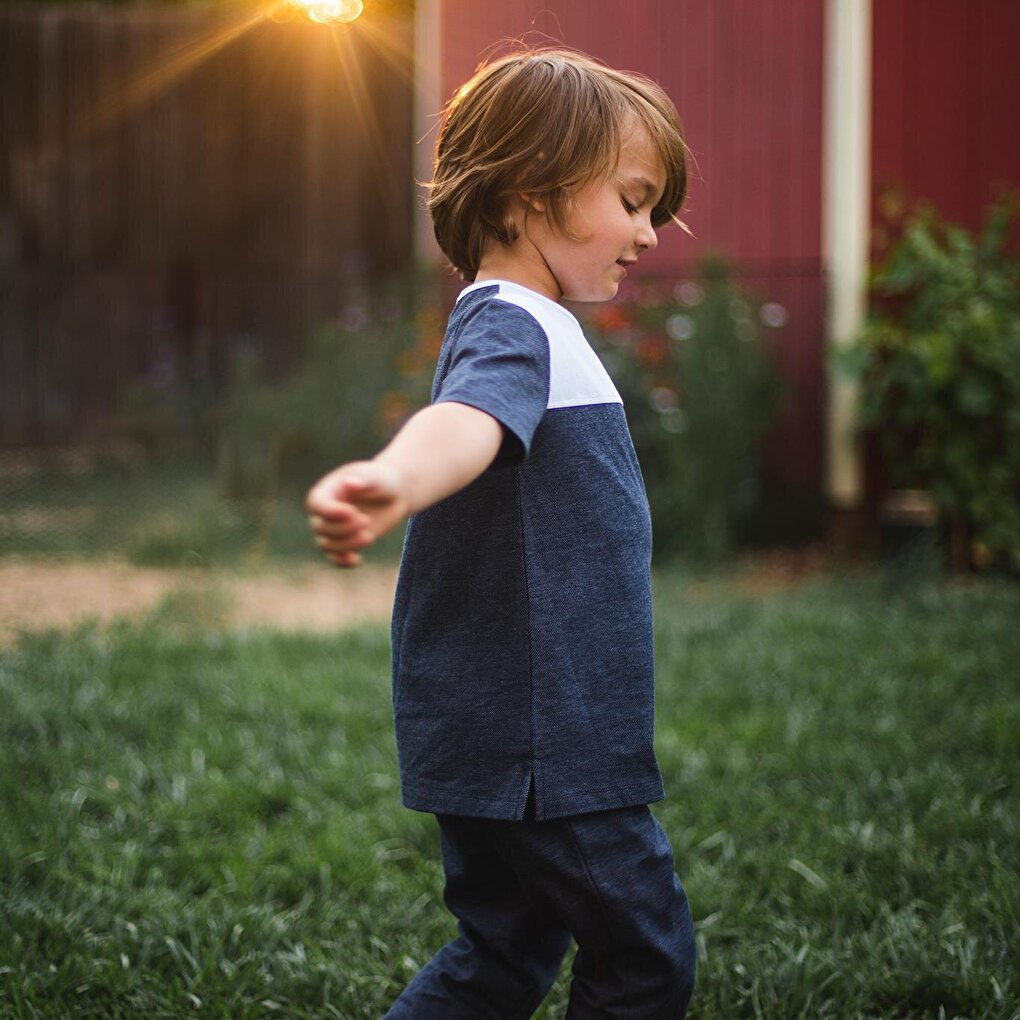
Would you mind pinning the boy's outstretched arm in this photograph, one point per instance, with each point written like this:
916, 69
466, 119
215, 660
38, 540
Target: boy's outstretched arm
439, 450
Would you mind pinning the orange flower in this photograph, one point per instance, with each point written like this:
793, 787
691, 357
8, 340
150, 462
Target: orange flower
428, 320
652, 350
410, 363
393, 408
611, 317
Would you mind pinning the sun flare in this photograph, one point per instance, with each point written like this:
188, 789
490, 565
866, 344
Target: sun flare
326, 11
353, 55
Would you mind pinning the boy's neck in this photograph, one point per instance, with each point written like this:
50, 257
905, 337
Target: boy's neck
513, 268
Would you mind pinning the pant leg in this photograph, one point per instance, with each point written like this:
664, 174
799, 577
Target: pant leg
510, 945
611, 878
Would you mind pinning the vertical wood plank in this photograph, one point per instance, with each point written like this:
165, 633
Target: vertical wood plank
187, 214
993, 106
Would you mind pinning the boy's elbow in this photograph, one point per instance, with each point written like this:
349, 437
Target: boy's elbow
485, 432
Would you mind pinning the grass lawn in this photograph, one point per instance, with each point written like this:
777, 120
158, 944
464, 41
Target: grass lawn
198, 823
170, 516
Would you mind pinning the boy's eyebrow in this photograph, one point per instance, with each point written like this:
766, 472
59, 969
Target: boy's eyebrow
642, 182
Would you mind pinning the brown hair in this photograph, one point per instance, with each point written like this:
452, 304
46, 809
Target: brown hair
544, 123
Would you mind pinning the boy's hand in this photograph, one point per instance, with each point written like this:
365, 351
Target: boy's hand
439, 450
352, 506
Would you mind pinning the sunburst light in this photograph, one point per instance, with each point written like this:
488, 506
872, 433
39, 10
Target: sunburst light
326, 11
144, 87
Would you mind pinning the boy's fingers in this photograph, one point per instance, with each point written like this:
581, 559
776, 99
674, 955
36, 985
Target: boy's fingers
337, 528
355, 485
349, 559
357, 540
368, 493
342, 523
355, 482
322, 503
339, 501
328, 493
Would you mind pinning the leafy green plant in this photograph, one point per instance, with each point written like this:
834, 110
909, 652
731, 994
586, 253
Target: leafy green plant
170, 412
939, 370
701, 394
338, 403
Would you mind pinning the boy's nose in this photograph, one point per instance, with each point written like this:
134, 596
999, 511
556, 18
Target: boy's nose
647, 239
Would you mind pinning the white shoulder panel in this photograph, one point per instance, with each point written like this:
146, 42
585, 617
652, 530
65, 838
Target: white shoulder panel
577, 377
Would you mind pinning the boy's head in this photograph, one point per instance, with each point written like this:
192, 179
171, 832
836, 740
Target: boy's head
542, 123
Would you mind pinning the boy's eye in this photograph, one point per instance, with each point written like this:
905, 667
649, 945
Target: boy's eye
630, 207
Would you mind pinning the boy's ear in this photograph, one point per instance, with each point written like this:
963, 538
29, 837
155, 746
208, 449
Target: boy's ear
533, 202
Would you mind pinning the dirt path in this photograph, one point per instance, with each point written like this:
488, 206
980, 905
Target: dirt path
61, 595
318, 598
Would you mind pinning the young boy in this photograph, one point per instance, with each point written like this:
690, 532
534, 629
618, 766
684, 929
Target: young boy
522, 630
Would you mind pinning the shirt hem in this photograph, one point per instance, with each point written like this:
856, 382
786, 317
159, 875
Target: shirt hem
440, 799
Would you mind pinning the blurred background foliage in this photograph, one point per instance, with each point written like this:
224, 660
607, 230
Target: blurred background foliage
700, 390
197, 474
701, 394
938, 365
202, 475
187, 349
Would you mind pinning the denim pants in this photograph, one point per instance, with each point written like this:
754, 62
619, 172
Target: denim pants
522, 889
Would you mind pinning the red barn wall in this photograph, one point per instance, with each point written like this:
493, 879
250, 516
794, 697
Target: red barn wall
945, 103
944, 121
747, 80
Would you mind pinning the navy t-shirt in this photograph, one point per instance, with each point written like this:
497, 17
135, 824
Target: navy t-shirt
522, 626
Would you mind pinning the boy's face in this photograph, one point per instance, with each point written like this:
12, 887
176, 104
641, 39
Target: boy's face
613, 221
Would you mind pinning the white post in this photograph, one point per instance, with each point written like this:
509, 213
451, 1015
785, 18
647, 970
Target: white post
428, 102
846, 220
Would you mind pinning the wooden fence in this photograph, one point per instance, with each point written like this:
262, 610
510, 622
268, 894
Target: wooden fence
174, 182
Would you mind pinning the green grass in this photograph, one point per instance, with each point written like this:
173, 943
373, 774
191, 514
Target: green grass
173, 515
203, 823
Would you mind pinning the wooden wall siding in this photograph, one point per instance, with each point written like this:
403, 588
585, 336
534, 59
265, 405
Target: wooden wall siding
945, 102
747, 79
944, 121
251, 198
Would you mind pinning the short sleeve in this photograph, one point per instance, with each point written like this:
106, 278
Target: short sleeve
498, 362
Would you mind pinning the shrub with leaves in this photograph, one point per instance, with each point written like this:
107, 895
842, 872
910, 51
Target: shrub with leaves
338, 403
701, 395
939, 370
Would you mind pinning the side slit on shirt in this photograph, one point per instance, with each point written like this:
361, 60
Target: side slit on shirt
529, 804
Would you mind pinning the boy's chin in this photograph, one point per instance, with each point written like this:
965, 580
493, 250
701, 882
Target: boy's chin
594, 296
